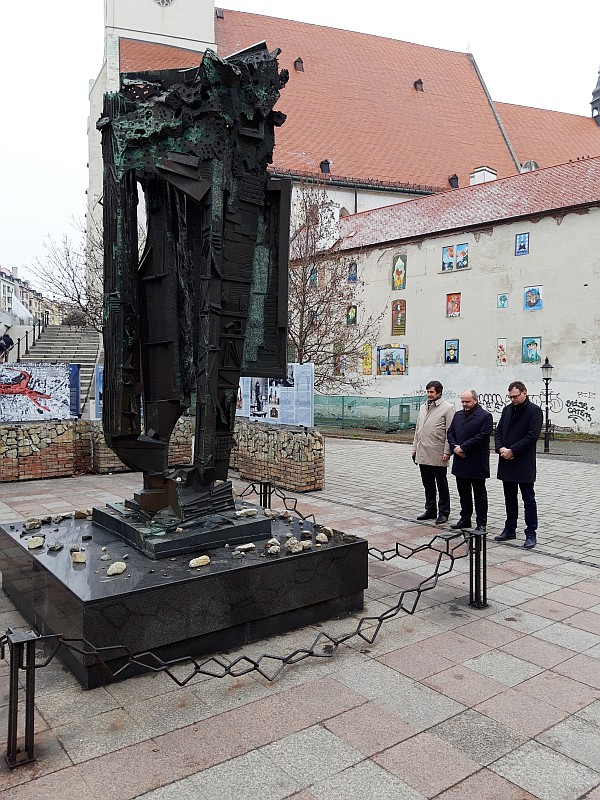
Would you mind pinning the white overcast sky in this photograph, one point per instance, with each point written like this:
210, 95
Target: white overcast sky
529, 52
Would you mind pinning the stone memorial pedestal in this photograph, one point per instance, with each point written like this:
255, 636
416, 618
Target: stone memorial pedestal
166, 606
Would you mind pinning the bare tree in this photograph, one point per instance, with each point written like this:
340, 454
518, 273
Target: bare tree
328, 324
72, 272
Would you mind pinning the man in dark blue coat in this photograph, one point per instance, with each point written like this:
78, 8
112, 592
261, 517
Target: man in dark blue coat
516, 438
469, 439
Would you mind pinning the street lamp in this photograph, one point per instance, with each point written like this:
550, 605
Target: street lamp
547, 377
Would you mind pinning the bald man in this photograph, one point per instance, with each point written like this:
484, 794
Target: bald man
469, 440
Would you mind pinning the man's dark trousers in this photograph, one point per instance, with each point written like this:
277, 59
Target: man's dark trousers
511, 501
466, 500
432, 477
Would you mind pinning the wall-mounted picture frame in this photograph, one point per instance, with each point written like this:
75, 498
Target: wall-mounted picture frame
352, 272
522, 244
351, 314
531, 348
453, 304
502, 301
451, 351
533, 298
398, 272
392, 359
367, 359
398, 317
501, 352
448, 258
462, 256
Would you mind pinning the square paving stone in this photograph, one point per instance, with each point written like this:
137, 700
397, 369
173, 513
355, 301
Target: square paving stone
545, 773
98, 735
551, 609
485, 785
311, 755
427, 763
576, 738
178, 790
573, 597
591, 713
416, 661
420, 706
479, 737
581, 668
586, 620
362, 781
250, 775
370, 728
558, 691
566, 636
536, 651
520, 620
489, 632
503, 667
526, 715
464, 685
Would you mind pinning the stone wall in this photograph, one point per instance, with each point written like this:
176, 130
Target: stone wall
291, 458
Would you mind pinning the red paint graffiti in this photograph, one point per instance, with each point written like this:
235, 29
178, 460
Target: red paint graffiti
21, 388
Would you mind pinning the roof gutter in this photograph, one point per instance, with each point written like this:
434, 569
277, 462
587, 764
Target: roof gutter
353, 183
511, 150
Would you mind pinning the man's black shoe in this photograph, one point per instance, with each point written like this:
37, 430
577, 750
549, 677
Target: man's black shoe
441, 519
504, 536
460, 525
426, 515
480, 529
530, 542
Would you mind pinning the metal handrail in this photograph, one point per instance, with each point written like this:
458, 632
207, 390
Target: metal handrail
41, 327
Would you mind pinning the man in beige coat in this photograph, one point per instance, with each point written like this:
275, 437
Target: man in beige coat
431, 452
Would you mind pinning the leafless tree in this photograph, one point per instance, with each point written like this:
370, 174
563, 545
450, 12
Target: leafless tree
328, 324
72, 272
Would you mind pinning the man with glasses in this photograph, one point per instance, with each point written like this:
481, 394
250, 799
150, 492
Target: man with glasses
516, 437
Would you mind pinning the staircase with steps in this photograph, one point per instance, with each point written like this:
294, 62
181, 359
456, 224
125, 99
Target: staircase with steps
68, 345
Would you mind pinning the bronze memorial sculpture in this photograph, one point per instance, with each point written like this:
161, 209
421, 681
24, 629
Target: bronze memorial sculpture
207, 300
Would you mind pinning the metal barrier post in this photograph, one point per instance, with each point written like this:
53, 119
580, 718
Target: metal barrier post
265, 492
18, 349
477, 570
26, 343
22, 656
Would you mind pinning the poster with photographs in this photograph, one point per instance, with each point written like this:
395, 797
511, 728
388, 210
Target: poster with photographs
31, 392
280, 401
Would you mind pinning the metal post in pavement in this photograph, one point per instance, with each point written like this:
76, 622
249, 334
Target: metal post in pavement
21, 646
477, 570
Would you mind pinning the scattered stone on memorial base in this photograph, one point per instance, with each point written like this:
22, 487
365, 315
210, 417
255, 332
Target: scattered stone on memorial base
289, 534
274, 549
247, 512
80, 513
36, 541
304, 534
237, 554
350, 537
32, 524
324, 529
218, 483
246, 548
293, 545
78, 557
306, 544
74, 548
117, 568
322, 538
54, 547
178, 530
105, 558
234, 493
271, 542
269, 513
87, 537
103, 549
46, 520
201, 561
60, 517
126, 556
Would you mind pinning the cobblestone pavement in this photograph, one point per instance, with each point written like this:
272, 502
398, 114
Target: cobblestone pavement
451, 703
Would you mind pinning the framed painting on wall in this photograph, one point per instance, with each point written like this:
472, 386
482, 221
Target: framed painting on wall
451, 351
398, 317
448, 258
352, 272
462, 256
531, 347
351, 312
398, 273
502, 301
392, 360
453, 304
367, 360
501, 353
522, 244
532, 298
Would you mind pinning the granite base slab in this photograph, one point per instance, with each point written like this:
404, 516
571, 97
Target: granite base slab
165, 606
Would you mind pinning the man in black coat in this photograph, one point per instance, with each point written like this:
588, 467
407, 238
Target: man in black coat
469, 439
516, 438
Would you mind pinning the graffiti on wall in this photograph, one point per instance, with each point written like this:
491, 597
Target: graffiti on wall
33, 392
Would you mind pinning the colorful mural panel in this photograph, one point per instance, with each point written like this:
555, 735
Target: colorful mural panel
367, 360
502, 301
398, 273
453, 304
448, 258
531, 348
392, 360
522, 244
351, 313
501, 353
398, 317
532, 298
462, 256
451, 351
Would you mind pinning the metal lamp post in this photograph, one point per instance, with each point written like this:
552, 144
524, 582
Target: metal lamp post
547, 377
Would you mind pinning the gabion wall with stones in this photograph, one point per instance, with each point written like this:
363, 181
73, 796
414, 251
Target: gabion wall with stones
291, 458
287, 457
